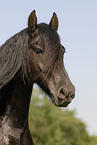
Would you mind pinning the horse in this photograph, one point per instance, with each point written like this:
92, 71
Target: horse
34, 55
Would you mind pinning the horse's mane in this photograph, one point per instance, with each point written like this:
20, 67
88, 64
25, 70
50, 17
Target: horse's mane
13, 57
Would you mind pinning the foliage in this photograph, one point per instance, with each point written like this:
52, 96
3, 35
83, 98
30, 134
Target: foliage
50, 125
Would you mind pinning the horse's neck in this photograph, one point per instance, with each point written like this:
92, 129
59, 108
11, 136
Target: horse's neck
15, 104
15, 100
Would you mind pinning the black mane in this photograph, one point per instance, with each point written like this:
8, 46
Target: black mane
13, 57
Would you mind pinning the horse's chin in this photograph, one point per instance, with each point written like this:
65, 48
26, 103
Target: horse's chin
61, 105
57, 103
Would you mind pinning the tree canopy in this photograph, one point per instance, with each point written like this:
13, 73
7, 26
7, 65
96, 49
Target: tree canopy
50, 125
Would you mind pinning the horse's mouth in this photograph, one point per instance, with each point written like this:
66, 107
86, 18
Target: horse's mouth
60, 102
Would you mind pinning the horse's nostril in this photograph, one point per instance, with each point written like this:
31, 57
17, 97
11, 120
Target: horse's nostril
62, 93
64, 96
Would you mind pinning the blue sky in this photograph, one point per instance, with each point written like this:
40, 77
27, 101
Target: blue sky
78, 33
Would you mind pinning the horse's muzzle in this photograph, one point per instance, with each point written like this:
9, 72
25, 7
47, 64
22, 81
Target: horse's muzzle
64, 97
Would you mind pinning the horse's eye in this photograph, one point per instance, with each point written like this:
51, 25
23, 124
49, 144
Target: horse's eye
38, 51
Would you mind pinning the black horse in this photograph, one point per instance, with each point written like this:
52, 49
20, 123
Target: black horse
34, 55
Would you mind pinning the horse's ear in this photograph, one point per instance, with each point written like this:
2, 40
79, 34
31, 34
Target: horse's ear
32, 21
54, 22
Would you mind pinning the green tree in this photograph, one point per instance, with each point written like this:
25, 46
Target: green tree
50, 125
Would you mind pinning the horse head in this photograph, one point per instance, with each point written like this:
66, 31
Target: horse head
46, 61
